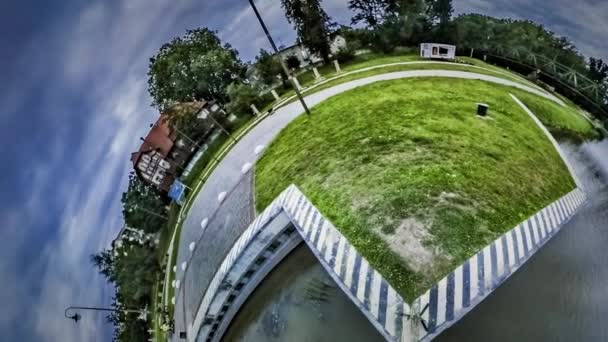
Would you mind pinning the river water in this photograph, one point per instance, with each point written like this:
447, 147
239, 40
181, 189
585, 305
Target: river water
299, 302
560, 294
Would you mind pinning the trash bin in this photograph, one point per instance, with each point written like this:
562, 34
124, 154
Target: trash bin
482, 109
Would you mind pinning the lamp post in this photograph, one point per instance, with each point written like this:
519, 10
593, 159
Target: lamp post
143, 313
276, 51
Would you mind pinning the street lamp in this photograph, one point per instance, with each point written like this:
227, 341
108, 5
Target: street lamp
143, 313
276, 51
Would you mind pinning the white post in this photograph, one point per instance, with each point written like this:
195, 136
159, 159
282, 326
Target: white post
337, 65
297, 83
274, 93
316, 72
255, 110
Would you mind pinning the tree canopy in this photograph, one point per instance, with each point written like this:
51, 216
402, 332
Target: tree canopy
312, 24
138, 202
267, 68
370, 12
192, 68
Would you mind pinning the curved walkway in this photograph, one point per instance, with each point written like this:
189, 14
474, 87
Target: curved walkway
228, 173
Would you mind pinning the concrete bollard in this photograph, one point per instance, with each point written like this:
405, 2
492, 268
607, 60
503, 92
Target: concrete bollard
317, 74
337, 65
296, 82
276, 96
255, 110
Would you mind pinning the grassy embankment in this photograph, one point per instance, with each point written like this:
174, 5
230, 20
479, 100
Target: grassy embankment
205, 166
409, 158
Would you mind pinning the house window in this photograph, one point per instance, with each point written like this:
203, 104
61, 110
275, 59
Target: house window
443, 51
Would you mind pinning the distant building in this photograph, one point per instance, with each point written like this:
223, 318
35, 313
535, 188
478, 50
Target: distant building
154, 162
164, 151
304, 55
437, 51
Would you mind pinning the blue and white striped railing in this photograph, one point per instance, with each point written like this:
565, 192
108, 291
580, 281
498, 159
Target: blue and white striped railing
446, 302
456, 294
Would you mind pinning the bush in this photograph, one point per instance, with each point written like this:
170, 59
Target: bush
242, 96
345, 54
292, 62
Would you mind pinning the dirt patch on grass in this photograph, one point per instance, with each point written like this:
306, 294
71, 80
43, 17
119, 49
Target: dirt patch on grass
410, 242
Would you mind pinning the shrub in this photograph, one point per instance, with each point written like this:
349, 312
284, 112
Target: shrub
292, 62
345, 54
242, 96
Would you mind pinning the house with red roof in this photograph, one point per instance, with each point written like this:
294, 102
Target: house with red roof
160, 155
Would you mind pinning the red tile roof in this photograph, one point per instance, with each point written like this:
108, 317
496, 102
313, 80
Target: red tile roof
159, 138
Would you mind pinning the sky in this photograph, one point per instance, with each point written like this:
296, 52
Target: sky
73, 104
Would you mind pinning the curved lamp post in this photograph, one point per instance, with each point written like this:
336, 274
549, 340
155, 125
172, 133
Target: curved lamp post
143, 313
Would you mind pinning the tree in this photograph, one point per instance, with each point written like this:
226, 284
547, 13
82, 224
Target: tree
242, 96
267, 68
183, 118
193, 68
138, 202
312, 24
371, 12
440, 14
292, 62
598, 70
104, 261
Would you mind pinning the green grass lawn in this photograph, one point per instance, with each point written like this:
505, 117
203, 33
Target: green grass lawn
412, 177
406, 67
563, 122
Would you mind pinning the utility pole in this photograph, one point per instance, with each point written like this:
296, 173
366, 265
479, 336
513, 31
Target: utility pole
276, 51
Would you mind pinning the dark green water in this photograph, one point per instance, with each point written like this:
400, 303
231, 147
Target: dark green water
299, 302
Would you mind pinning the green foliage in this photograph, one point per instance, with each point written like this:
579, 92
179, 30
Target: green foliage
242, 96
440, 14
410, 149
346, 54
193, 68
406, 30
356, 38
267, 68
489, 34
138, 201
370, 12
598, 70
133, 269
292, 62
311, 23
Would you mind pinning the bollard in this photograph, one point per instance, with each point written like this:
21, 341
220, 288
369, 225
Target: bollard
337, 65
274, 93
255, 110
317, 74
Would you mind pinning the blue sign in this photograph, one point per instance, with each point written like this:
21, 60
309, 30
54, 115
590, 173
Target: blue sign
177, 191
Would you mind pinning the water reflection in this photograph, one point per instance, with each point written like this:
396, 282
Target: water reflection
561, 294
299, 302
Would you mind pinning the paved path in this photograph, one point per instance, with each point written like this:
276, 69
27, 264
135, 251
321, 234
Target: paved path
227, 174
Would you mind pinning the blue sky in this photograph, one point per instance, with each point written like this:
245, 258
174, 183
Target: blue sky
73, 103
